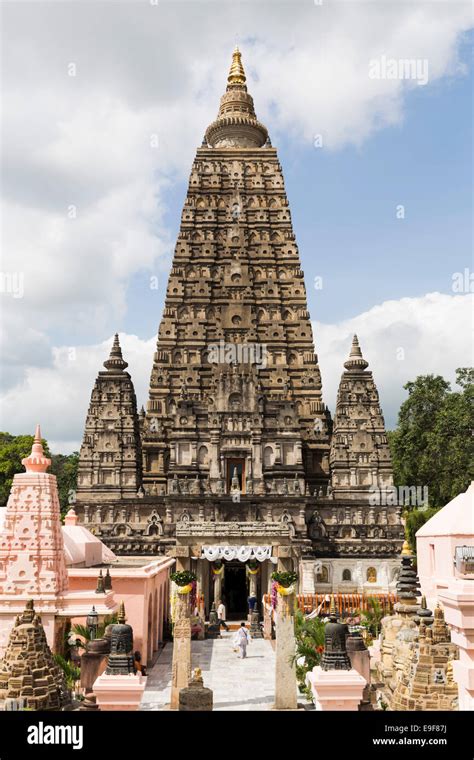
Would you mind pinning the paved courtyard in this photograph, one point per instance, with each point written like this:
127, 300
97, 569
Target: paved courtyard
237, 684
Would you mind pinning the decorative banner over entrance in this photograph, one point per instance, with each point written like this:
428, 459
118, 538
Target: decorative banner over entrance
242, 553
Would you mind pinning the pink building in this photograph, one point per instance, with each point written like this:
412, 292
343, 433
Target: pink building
32, 555
445, 559
58, 565
144, 587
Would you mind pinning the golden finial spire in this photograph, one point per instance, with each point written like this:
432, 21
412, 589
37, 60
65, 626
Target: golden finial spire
121, 613
332, 607
236, 73
406, 552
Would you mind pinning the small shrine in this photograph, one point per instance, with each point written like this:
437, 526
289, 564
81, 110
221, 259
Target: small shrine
28, 672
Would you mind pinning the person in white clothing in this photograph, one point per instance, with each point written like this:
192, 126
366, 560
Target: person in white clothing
221, 615
242, 638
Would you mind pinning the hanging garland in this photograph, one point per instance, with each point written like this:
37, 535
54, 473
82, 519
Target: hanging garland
217, 568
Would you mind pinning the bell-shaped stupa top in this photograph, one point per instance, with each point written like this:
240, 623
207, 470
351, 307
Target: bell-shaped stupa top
36, 461
116, 362
356, 361
236, 125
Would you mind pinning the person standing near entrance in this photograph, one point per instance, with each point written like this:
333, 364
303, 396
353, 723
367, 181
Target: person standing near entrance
242, 638
221, 615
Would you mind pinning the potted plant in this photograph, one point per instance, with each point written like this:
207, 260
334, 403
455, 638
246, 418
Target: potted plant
217, 567
253, 567
284, 581
185, 580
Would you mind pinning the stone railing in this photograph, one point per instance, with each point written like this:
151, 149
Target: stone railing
344, 602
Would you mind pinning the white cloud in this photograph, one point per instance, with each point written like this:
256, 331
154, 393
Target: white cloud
430, 329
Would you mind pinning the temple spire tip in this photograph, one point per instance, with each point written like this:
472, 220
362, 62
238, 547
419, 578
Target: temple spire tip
356, 361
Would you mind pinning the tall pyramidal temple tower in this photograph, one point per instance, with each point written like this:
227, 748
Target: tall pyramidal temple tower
360, 456
236, 439
110, 459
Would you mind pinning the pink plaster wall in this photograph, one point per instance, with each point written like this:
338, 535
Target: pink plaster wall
146, 603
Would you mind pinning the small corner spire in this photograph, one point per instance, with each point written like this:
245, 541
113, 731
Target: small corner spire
36, 461
121, 613
356, 361
115, 362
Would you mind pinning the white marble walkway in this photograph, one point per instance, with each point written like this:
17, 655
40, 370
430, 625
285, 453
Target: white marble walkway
237, 684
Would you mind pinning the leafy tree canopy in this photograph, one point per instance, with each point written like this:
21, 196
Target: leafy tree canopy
433, 444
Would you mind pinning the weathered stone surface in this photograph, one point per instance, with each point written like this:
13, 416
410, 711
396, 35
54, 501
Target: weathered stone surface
236, 438
28, 670
110, 456
181, 667
360, 455
195, 697
285, 675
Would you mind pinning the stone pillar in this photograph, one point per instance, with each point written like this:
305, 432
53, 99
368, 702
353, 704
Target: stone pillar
94, 662
360, 661
181, 668
285, 683
285, 680
218, 587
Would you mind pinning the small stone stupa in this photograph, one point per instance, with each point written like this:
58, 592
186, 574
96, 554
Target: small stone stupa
426, 680
28, 670
423, 613
407, 585
335, 655
335, 684
120, 660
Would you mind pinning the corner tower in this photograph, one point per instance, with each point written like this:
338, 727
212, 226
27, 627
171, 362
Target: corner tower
360, 455
110, 456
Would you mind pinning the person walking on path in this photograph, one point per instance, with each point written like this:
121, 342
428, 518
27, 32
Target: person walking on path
242, 638
221, 615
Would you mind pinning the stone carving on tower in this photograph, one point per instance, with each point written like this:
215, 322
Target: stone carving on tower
360, 456
110, 456
28, 671
235, 381
236, 438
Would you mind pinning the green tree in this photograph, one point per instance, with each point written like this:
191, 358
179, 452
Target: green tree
371, 618
433, 444
414, 519
64, 466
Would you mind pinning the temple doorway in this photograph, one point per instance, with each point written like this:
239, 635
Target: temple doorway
235, 591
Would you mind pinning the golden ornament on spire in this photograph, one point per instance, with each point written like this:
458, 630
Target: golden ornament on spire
332, 606
121, 618
406, 551
236, 73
